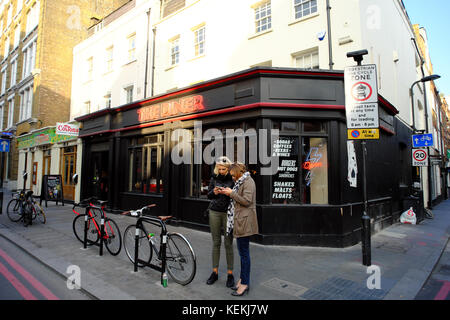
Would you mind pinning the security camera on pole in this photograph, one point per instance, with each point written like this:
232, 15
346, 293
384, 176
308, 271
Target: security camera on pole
361, 108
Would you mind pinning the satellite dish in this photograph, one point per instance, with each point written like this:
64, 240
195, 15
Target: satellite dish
321, 35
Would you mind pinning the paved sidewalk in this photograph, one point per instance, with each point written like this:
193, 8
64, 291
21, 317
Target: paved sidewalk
406, 255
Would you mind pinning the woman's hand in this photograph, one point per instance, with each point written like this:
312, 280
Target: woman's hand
226, 191
216, 191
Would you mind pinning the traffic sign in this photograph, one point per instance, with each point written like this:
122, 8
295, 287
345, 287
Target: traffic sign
361, 97
420, 157
4, 145
363, 134
423, 140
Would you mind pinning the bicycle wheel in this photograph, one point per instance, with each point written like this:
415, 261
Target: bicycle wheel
14, 210
78, 230
40, 213
145, 247
180, 259
112, 238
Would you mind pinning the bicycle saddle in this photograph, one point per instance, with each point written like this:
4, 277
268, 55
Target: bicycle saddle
164, 218
29, 193
102, 202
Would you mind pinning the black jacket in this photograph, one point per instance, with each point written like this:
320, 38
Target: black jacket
219, 202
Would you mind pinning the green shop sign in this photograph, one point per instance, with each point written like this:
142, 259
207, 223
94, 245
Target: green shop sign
448, 153
47, 136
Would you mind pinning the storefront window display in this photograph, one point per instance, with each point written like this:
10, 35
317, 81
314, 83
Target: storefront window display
302, 176
145, 156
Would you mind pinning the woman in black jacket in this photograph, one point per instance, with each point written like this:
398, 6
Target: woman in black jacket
218, 219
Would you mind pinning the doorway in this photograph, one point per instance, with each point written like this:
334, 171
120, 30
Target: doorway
98, 179
68, 167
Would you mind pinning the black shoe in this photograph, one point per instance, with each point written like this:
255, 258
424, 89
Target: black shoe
234, 293
212, 278
230, 281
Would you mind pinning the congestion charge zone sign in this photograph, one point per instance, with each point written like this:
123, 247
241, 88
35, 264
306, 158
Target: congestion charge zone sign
361, 97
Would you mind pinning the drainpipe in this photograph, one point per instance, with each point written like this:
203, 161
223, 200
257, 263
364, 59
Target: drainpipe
146, 53
153, 61
330, 44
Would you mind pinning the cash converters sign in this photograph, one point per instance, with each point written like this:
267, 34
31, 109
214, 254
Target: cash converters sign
171, 108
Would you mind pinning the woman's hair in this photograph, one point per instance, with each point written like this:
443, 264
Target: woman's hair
222, 161
238, 167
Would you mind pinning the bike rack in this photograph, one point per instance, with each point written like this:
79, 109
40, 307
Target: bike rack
163, 236
102, 227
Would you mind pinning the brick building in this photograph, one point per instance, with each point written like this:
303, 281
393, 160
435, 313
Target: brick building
36, 42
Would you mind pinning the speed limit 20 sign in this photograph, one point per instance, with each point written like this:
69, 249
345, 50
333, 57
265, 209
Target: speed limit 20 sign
419, 157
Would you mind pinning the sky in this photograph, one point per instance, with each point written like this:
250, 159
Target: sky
434, 16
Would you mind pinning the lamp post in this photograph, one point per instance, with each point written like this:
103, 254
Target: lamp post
423, 80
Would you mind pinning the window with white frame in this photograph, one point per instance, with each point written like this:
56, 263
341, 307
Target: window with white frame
29, 58
6, 48
19, 6
16, 36
263, 17
308, 60
87, 107
2, 112
13, 71
129, 94
131, 47
304, 8
26, 103
89, 68
175, 51
32, 17
9, 19
199, 41
10, 111
107, 98
3, 89
109, 58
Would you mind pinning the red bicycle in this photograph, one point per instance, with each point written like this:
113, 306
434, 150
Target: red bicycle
93, 207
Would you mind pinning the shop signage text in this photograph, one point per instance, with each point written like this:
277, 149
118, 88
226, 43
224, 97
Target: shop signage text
67, 129
172, 108
47, 136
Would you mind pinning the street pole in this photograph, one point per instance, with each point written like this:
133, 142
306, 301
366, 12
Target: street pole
365, 219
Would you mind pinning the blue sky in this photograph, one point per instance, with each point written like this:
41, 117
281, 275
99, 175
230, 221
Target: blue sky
434, 16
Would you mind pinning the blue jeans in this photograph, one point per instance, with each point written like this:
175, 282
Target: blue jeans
243, 245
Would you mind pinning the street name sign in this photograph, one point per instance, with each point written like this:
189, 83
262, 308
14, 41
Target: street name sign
420, 157
361, 97
423, 140
4, 145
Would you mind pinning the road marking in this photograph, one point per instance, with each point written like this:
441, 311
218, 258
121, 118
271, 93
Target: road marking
32, 280
443, 293
24, 292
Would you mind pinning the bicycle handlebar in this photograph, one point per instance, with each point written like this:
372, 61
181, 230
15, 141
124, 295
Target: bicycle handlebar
138, 212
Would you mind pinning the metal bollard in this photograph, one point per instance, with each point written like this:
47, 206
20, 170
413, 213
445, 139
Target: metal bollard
102, 234
365, 234
136, 249
85, 231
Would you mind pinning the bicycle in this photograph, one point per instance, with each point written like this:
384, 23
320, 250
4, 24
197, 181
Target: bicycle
21, 207
112, 236
179, 256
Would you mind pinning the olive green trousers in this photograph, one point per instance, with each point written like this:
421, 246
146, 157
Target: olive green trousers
217, 222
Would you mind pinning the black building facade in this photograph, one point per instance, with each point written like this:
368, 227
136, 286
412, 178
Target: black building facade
131, 154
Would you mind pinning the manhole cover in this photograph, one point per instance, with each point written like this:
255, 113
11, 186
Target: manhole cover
285, 287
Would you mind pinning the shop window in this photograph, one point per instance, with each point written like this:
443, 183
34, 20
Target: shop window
314, 171
199, 175
145, 156
314, 126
